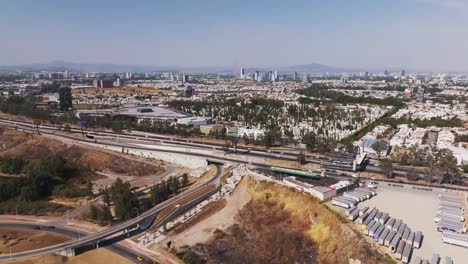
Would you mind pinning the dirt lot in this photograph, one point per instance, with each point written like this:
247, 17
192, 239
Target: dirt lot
203, 230
29, 146
22, 240
94, 256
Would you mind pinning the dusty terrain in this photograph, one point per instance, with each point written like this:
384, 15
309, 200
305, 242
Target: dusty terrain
94, 256
203, 230
22, 240
30, 146
279, 225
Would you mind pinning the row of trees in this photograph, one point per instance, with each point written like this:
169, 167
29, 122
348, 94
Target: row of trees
441, 163
321, 91
162, 191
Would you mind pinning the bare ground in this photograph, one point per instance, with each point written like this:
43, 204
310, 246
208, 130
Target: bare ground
280, 225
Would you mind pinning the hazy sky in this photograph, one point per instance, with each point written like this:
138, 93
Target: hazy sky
414, 34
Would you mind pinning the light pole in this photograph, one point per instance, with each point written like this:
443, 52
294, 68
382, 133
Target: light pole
17, 210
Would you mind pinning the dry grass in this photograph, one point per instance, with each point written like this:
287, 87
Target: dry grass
280, 225
94, 256
22, 240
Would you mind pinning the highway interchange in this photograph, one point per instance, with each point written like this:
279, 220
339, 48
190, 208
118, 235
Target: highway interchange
125, 140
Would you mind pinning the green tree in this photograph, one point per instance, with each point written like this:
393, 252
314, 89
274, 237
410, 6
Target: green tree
185, 179
310, 140
379, 146
301, 158
386, 166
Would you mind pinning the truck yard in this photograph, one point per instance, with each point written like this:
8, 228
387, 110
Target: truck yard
410, 214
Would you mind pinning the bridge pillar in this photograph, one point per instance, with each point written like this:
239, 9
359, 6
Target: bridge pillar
97, 243
67, 252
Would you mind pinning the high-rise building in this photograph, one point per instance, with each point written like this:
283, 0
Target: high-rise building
185, 78
189, 92
305, 78
295, 76
242, 73
275, 76
103, 83
403, 73
256, 75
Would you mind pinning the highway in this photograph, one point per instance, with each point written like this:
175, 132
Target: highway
127, 225
142, 137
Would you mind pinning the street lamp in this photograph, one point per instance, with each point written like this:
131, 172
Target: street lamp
17, 210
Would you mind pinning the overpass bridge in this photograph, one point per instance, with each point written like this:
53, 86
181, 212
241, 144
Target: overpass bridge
142, 221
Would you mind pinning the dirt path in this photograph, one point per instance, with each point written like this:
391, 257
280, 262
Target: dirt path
203, 230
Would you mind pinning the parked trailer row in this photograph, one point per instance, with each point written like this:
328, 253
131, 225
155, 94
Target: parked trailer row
441, 217
378, 232
455, 239
400, 248
449, 207
389, 238
417, 239
339, 201
394, 243
354, 215
435, 259
383, 236
451, 226
363, 210
406, 256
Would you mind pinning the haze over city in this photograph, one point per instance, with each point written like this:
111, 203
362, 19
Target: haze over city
211, 131
420, 35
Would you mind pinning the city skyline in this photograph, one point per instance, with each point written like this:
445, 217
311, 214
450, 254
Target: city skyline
422, 35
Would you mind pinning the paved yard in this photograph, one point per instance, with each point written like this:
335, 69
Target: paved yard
417, 209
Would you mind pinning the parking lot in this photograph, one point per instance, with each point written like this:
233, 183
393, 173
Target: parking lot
417, 209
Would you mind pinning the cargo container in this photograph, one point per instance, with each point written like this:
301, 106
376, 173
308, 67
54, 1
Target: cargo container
373, 213
389, 238
367, 224
399, 250
448, 260
401, 229
362, 218
455, 227
363, 210
406, 256
410, 238
353, 215
394, 243
417, 260
449, 207
378, 232
438, 218
384, 218
417, 239
353, 196
460, 217
366, 195
390, 223
384, 235
373, 229
450, 198
367, 190
377, 216
451, 212
455, 239
341, 203
349, 211
397, 225
450, 204
435, 259
351, 201
448, 194
406, 234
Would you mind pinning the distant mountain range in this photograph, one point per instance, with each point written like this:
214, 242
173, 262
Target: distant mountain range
107, 67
